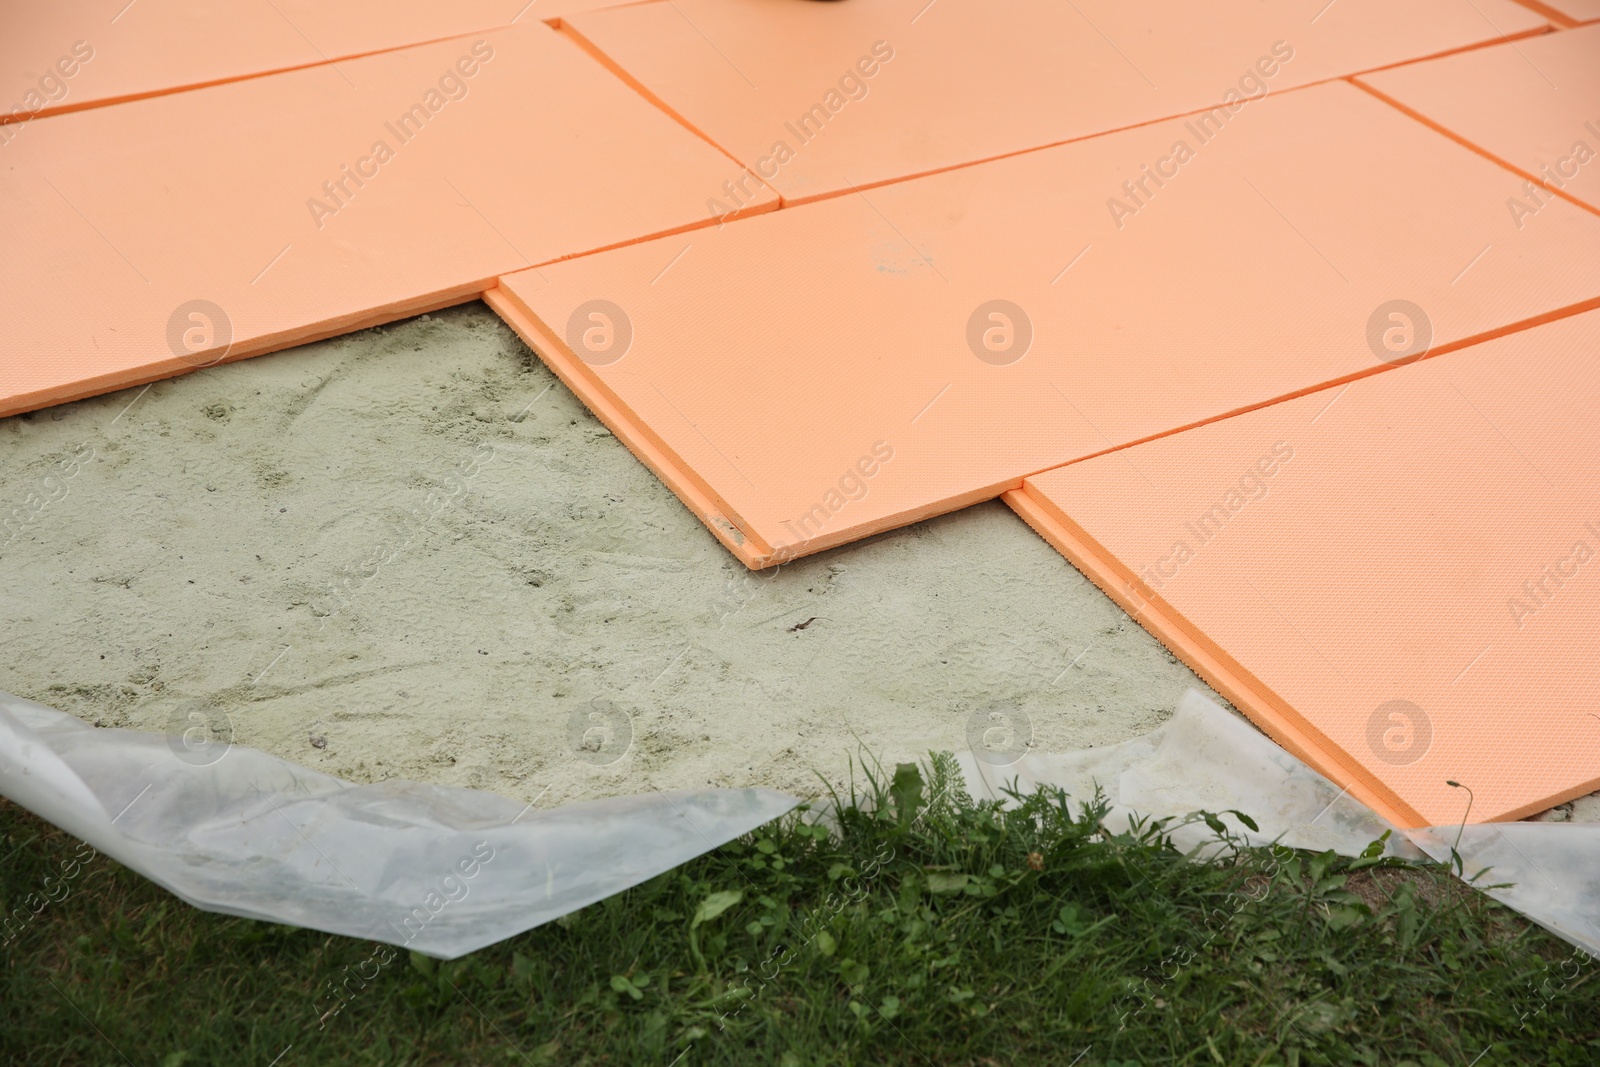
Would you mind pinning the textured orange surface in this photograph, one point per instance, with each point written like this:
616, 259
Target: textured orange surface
1576, 11
242, 195
770, 363
873, 90
1429, 535
64, 56
1203, 319
1534, 105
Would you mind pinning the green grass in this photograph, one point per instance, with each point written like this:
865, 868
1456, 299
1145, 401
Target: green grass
919, 932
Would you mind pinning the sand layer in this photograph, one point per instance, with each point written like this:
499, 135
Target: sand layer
410, 552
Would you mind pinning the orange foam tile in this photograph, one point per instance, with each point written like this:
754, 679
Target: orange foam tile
152, 236
1566, 12
822, 98
811, 376
1398, 579
67, 56
1534, 105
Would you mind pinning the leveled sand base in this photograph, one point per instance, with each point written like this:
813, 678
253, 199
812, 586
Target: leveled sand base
410, 552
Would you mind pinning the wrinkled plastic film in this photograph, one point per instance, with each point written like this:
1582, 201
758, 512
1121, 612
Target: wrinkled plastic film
441, 870
1549, 871
1207, 759
1203, 759
447, 871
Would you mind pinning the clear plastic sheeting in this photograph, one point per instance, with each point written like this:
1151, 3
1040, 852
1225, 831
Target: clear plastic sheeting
1549, 871
439, 870
1204, 758
1208, 759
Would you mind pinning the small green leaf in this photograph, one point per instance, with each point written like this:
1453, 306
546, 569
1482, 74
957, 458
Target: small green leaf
940, 882
714, 905
907, 792
631, 986
1071, 920
826, 944
733, 995
1332, 964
